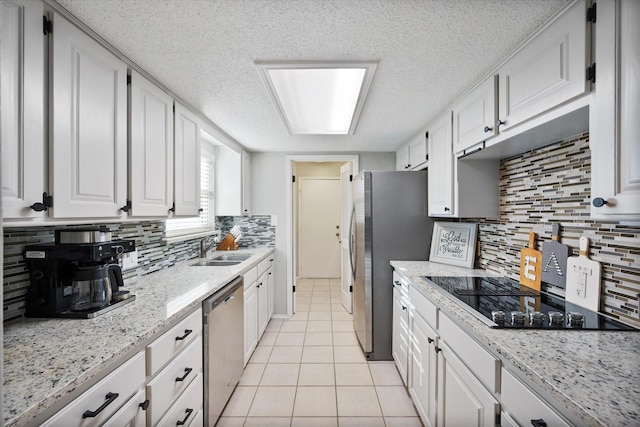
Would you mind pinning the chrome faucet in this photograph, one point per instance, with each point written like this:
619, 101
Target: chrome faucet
206, 246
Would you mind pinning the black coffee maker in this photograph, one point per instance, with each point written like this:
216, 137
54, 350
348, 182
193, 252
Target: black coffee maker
78, 275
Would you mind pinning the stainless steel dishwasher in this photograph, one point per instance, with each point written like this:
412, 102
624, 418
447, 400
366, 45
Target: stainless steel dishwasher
223, 323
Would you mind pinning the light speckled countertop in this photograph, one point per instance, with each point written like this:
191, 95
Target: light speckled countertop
47, 361
595, 375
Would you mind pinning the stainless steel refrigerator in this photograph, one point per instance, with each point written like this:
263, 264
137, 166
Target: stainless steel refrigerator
389, 222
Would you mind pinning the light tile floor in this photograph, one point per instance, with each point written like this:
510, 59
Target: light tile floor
310, 371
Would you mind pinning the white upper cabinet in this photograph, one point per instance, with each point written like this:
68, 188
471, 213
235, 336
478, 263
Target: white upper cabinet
402, 158
615, 128
474, 116
22, 123
440, 172
547, 71
88, 117
150, 148
418, 152
187, 163
228, 180
246, 183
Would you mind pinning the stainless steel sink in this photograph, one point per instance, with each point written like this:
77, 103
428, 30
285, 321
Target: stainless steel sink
215, 263
232, 257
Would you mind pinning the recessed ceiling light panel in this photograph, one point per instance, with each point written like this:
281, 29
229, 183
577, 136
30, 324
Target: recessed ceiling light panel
318, 97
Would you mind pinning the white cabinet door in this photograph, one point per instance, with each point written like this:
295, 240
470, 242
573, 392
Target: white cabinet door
150, 148
22, 121
186, 163
402, 158
263, 303
88, 144
615, 128
228, 181
474, 116
423, 361
270, 289
462, 400
418, 152
441, 184
547, 71
250, 320
400, 332
246, 183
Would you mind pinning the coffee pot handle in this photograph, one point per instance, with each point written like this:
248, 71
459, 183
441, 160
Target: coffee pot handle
115, 277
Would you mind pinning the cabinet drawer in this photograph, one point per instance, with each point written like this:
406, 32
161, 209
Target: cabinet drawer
131, 414
264, 266
401, 284
425, 308
483, 364
186, 408
119, 385
163, 390
523, 405
250, 277
173, 341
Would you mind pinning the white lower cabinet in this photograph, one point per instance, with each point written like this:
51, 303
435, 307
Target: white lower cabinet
524, 406
186, 407
132, 414
423, 368
462, 399
172, 381
100, 402
400, 333
258, 304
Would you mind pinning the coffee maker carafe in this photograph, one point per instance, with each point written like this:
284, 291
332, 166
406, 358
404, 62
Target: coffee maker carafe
92, 286
78, 275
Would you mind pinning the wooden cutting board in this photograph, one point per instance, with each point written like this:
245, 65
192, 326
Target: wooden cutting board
583, 279
554, 260
531, 264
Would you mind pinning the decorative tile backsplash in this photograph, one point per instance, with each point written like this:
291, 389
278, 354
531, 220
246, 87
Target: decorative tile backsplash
153, 252
552, 185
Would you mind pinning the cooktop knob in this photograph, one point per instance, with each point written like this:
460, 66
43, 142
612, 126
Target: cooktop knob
536, 319
517, 318
498, 317
556, 318
575, 320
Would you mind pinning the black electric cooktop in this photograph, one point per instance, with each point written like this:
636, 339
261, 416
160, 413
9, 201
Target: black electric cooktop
504, 303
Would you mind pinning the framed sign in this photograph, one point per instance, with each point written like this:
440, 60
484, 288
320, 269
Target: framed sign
454, 243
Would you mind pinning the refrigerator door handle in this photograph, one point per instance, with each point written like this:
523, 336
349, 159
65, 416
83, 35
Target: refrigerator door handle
352, 236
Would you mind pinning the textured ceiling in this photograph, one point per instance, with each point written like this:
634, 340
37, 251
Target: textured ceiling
430, 52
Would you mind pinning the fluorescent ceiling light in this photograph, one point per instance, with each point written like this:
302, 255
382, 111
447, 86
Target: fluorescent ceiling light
318, 97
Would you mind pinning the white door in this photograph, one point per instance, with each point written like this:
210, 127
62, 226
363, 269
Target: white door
319, 227
345, 236
441, 168
22, 106
88, 150
186, 163
151, 148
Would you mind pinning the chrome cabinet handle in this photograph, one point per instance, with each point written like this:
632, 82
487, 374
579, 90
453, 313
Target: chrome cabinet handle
110, 398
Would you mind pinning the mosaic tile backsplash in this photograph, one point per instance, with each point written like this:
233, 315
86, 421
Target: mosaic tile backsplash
153, 252
552, 185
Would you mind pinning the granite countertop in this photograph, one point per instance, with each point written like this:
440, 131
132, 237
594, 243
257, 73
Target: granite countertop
46, 361
594, 374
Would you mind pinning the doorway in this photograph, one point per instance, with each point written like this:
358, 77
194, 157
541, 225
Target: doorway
317, 252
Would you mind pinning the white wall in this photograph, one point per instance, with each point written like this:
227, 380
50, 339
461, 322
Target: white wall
268, 186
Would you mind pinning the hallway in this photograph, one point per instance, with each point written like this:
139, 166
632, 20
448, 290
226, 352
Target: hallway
310, 371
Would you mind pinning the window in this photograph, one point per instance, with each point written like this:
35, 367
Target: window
206, 221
